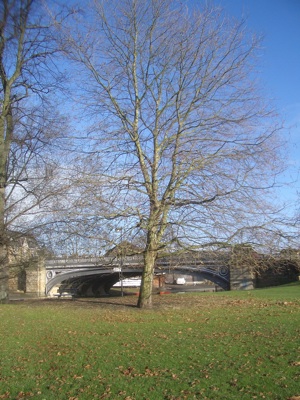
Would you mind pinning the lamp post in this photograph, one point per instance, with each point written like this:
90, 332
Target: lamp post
121, 261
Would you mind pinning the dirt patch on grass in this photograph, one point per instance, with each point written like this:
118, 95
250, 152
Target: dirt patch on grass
165, 301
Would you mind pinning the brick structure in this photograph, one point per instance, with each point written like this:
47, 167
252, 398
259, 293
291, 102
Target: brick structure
27, 272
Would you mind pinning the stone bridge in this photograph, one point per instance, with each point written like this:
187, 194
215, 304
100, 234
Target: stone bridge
95, 276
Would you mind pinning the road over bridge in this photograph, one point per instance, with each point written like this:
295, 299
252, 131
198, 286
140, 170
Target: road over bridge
95, 276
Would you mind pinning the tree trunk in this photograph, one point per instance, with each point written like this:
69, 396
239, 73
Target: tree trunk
6, 129
3, 252
3, 274
145, 297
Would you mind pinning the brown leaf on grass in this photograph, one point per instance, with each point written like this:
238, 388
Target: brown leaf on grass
296, 364
23, 395
294, 398
77, 376
127, 371
106, 394
150, 372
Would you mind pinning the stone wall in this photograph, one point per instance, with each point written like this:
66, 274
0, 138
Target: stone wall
27, 272
36, 277
29, 277
241, 278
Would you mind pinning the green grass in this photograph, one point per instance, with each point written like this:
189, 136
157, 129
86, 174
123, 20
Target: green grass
228, 345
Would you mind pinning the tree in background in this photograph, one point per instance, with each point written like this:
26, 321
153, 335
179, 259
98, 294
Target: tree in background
188, 146
29, 124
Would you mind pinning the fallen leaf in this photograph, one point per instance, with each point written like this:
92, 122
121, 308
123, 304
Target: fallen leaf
296, 364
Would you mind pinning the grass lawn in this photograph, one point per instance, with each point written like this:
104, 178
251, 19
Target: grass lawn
227, 345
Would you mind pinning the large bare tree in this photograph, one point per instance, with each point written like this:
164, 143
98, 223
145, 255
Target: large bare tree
29, 124
188, 146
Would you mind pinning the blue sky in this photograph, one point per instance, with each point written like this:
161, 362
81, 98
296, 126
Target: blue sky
279, 22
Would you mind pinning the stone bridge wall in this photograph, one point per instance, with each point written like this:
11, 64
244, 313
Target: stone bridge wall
241, 278
29, 279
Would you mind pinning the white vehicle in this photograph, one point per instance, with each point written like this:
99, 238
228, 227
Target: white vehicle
129, 282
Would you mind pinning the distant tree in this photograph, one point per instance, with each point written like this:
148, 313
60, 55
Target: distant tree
291, 255
29, 123
188, 146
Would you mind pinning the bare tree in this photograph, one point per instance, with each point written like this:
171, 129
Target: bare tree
188, 146
29, 125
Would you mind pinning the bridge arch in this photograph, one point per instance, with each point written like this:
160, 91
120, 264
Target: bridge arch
220, 277
98, 281
92, 283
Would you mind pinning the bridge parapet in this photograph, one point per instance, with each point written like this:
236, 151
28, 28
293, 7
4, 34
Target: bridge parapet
91, 261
